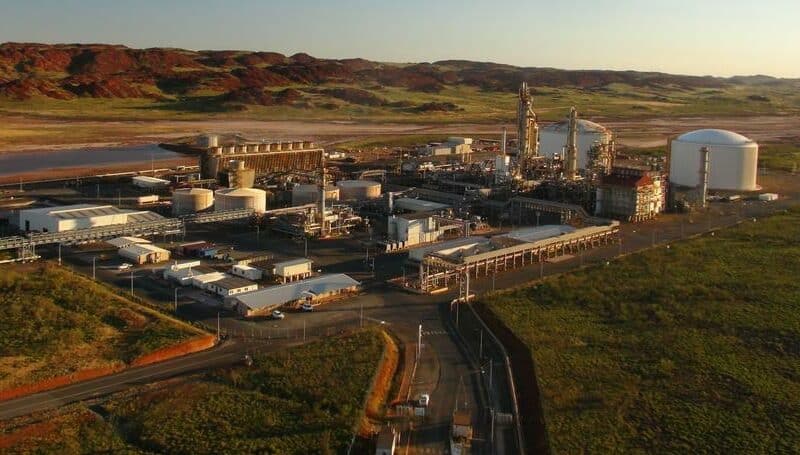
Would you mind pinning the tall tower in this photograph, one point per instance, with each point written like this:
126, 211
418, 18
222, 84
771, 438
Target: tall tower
527, 128
571, 155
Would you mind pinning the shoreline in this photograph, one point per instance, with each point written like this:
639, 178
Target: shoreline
67, 173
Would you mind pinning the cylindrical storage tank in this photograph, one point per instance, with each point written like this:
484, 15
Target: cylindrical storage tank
229, 149
276, 146
207, 140
553, 139
240, 198
308, 145
733, 160
309, 194
286, 145
297, 145
358, 189
191, 200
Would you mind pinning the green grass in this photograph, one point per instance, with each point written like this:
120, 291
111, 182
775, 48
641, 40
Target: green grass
307, 399
475, 105
54, 322
692, 349
784, 156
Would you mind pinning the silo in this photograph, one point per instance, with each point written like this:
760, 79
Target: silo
240, 198
191, 200
309, 194
358, 189
553, 139
733, 160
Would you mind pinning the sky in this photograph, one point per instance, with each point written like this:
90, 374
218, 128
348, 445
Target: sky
700, 37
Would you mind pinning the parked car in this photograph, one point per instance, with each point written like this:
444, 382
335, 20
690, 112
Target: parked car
423, 400
307, 307
124, 266
277, 315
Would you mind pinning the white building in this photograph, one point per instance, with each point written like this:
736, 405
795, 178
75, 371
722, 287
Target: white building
144, 253
144, 181
453, 146
416, 228
553, 139
79, 216
247, 271
293, 270
732, 165
312, 290
122, 242
183, 272
231, 285
202, 281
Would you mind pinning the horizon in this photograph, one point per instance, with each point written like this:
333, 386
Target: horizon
739, 38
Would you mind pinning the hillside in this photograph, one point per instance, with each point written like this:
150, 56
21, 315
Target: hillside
209, 82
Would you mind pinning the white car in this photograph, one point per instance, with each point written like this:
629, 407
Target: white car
124, 266
277, 315
423, 400
307, 307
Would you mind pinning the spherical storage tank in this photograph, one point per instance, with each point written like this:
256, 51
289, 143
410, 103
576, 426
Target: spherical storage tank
307, 194
553, 139
733, 160
240, 198
358, 189
191, 200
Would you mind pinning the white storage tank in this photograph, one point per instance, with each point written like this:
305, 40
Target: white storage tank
191, 200
733, 160
308, 194
553, 139
240, 198
358, 189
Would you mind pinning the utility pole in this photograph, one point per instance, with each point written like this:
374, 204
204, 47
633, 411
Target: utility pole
419, 342
131, 283
480, 348
94, 275
59, 254
176, 299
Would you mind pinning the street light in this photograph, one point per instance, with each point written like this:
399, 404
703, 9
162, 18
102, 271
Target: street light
176, 299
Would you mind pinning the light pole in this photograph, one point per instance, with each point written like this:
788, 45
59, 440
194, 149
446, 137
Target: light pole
176, 299
480, 347
94, 275
131, 283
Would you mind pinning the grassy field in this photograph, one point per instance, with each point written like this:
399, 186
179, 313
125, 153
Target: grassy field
308, 399
775, 156
54, 322
691, 349
473, 104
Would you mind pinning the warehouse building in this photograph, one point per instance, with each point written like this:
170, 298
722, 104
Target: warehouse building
202, 281
144, 181
231, 285
144, 253
313, 290
80, 216
453, 146
122, 242
293, 270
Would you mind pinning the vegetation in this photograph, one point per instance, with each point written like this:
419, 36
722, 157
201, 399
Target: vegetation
54, 322
784, 157
691, 349
307, 399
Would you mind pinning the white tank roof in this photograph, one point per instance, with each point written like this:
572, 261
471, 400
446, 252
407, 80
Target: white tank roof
240, 192
584, 126
714, 137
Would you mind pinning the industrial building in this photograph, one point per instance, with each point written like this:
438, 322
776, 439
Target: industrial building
122, 242
631, 193
202, 281
453, 146
144, 253
441, 265
413, 229
144, 181
80, 216
292, 270
553, 139
732, 160
418, 205
312, 290
247, 271
182, 273
230, 285
264, 158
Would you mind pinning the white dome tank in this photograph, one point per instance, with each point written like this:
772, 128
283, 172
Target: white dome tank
358, 189
191, 200
308, 194
240, 198
733, 160
553, 139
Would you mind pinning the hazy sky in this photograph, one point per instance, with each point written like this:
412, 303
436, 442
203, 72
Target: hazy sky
719, 37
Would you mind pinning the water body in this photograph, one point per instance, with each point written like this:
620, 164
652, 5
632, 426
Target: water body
24, 162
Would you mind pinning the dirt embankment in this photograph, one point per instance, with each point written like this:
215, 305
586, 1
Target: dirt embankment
187, 347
